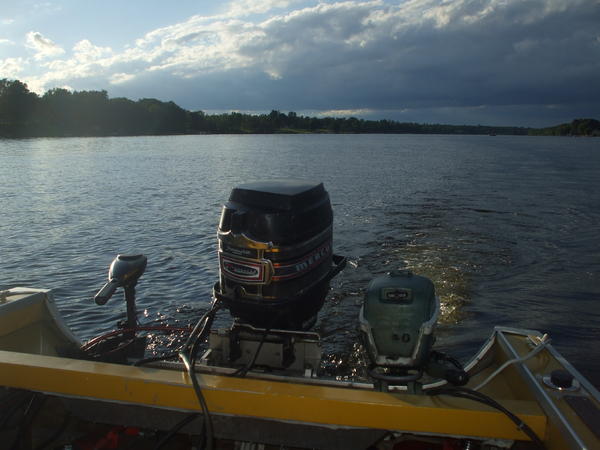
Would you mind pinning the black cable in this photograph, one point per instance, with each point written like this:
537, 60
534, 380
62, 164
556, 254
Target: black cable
191, 347
439, 355
209, 317
22, 424
188, 356
60, 430
175, 354
477, 396
175, 430
384, 436
19, 399
201, 400
188, 353
152, 359
34, 406
454, 361
243, 371
470, 394
193, 350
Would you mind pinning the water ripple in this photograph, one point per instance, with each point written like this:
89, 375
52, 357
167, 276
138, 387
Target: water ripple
506, 228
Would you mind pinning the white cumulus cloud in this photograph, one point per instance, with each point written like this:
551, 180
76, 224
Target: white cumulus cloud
42, 46
119, 78
85, 51
12, 67
240, 8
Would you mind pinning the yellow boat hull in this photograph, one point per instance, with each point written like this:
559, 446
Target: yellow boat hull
31, 331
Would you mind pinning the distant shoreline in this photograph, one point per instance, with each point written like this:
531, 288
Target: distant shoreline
533, 132
63, 113
5, 137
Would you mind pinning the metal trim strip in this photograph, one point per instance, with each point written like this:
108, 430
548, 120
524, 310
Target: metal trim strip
554, 414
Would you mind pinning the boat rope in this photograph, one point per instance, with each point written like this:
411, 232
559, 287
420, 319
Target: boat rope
543, 342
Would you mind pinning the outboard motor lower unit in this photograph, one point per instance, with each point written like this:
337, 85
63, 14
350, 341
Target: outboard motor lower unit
275, 253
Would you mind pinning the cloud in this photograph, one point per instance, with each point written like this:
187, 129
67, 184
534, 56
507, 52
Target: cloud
6, 42
241, 8
346, 112
119, 78
43, 47
85, 51
12, 67
411, 57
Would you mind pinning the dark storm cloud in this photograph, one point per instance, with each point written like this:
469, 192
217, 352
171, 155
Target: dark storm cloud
423, 56
464, 54
527, 62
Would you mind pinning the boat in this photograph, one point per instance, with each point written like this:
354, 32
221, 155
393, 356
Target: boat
257, 383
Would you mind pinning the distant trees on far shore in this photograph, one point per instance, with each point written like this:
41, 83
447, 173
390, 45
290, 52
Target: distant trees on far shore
578, 127
60, 113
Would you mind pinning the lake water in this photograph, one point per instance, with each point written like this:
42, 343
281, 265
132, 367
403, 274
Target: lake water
508, 228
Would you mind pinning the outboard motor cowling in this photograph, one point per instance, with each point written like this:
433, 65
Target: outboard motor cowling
397, 323
398, 318
275, 253
124, 271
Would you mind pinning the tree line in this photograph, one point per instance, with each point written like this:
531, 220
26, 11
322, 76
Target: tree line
60, 113
578, 127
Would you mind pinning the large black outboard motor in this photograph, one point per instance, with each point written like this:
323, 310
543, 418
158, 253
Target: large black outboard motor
275, 253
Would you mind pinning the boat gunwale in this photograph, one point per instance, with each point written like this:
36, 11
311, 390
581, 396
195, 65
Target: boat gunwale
550, 408
321, 405
298, 387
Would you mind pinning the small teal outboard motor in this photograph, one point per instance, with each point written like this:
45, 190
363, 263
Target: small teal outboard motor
397, 323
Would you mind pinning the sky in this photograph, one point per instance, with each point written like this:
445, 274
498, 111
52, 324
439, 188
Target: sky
491, 62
